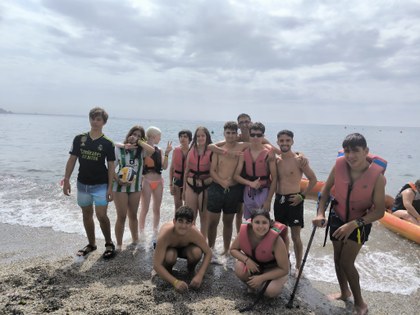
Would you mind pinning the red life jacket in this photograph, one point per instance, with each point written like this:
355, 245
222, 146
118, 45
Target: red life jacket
258, 168
178, 159
353, 201
199, 165
263, 253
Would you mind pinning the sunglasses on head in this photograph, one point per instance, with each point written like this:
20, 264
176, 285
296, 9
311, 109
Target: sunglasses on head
258, 135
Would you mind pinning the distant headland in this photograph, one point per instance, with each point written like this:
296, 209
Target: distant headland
3, 111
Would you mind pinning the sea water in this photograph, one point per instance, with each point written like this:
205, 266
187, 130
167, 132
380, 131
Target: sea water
35, 150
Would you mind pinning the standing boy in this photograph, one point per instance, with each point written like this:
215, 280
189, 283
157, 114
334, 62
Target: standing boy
288, 205
244, 124
94, 180
257, 171
177, 169
224, 193
359, 200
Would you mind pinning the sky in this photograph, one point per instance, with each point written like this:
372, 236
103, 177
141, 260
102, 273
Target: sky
324, 62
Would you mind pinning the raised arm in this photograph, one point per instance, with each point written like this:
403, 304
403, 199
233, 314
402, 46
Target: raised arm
148, 149
166, 155
215, 148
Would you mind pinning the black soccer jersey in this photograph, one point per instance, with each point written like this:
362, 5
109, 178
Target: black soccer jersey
92, 155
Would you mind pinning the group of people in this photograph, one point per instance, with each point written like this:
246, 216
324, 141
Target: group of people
238, 176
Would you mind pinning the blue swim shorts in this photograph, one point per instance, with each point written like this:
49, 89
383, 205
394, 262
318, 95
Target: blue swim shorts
88, 195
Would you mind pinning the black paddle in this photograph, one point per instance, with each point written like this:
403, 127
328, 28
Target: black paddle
290, 303
257, 299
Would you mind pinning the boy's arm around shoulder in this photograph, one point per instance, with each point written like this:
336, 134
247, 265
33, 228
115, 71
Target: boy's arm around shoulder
148, 149
216, 148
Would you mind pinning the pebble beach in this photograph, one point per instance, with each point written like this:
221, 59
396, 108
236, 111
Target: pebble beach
40, 274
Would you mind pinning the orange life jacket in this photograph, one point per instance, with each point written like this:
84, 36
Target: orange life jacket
199, 165
353, 200
258, 168
178, 160
263, 253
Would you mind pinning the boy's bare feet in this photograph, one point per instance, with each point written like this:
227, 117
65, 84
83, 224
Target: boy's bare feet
338, 296
296, 273
360, 310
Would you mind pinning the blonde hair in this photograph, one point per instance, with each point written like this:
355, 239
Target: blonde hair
152, 131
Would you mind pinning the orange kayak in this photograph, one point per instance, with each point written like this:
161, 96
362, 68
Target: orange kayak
391, 222
313, 194
397, 225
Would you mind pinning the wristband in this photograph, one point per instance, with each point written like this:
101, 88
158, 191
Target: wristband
302, 196
175, 283
246, 260
360, 222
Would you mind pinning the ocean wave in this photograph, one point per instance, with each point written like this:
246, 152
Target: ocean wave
34, 170
33, 204
379, 271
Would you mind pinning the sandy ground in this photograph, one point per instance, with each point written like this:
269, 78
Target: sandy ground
40, 274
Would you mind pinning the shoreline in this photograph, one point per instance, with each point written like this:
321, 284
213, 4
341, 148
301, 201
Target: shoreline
40, 274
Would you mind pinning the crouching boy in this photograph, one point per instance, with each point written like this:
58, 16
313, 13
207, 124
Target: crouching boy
180, 238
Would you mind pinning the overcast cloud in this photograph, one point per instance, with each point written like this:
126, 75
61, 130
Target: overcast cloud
344, 62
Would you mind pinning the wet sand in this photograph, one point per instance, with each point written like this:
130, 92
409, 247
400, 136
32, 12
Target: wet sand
40, 274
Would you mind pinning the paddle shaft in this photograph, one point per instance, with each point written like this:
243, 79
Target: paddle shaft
290, 303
